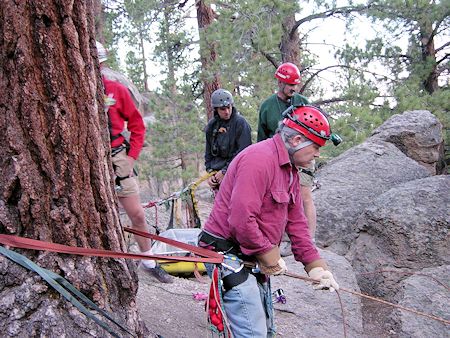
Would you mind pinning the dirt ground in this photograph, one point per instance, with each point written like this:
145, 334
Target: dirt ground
170, 311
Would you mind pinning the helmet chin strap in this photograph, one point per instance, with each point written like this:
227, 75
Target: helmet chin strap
292, 150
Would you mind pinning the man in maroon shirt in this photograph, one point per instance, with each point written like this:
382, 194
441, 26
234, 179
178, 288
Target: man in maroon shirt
259, 199
122, 110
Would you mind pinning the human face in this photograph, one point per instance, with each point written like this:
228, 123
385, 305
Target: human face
286, 91
304, 156
224, 112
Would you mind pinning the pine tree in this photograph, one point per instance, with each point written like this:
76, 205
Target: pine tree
55, 162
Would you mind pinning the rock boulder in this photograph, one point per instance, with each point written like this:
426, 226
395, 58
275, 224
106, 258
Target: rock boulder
351, 182
418, 134
405, 229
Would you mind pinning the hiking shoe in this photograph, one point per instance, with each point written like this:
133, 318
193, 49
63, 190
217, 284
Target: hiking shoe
158, 273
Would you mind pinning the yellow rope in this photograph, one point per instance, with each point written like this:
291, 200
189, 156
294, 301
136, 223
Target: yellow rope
195, 185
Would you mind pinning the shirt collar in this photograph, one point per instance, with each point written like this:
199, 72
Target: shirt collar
283, 156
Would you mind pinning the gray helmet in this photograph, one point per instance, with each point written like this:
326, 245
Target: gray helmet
221, 98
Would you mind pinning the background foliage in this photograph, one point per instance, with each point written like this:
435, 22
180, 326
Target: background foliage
403, 66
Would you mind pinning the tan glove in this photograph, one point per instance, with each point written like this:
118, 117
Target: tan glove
271, 263
325, 278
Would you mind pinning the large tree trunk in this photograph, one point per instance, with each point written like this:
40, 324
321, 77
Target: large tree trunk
55, 180
290, 41
99, 16
429, 57
208, 55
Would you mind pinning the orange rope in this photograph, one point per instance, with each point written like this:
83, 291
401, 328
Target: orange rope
343, 313
406, 273
397, 306
362, 295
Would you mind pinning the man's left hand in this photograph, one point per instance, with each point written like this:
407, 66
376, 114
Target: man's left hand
325, 279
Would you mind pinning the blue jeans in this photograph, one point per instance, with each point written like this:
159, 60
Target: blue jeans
248, 306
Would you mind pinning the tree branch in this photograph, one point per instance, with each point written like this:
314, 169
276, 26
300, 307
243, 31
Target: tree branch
438, 23
443, 59
442, 47
331, 12
269, 57
333, 100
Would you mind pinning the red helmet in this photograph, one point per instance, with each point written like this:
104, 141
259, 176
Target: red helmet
309, 121
288, 73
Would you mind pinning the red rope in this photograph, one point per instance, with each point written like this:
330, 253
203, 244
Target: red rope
27, 243
343, 313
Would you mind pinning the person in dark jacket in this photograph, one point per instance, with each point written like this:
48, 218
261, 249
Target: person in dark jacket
227, 133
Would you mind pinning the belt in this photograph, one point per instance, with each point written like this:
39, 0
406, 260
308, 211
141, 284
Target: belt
219, 244
116, 150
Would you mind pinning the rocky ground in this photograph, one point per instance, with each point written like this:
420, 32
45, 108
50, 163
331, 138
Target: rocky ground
170, 310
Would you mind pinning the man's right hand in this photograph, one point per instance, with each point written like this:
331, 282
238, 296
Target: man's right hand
271, 263
212, 182
277, 269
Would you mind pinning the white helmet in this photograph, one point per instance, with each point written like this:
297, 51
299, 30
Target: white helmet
101, 52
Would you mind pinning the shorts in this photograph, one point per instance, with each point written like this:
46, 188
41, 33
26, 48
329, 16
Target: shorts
128, 186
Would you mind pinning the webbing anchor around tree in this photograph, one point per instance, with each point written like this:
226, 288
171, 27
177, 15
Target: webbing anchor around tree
68, 291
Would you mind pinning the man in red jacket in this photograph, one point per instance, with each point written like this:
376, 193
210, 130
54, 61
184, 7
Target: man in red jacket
259, 199
121, 109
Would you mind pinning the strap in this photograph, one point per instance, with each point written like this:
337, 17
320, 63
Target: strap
306, 171
58, 283
27, 243
116, 150
172, 207
235, 279
194, 249
219, 244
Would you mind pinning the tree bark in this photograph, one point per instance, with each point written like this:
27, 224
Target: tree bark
429, 56
55, 182
208, 55
290, 42
99, 16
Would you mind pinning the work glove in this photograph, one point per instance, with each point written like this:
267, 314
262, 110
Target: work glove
277, 269
325, 279
271, 263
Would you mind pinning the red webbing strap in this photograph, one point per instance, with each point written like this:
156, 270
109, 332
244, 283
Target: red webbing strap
33, 244
194, 249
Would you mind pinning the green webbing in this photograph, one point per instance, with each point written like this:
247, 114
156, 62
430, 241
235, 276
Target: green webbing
58, 283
